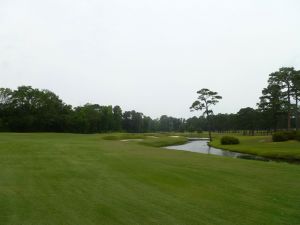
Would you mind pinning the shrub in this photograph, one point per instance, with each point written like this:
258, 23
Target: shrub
285, 136
279, 137
297, 136
291, 135
227, 140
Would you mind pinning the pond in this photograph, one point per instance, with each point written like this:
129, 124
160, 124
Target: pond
201, 146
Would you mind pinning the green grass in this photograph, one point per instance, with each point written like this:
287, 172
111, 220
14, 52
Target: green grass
263, 146
82, 179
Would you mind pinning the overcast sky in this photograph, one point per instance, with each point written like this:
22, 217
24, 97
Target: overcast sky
151, 56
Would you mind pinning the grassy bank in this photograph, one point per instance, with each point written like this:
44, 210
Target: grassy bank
148, 139
263, 146
84, 179
126, 136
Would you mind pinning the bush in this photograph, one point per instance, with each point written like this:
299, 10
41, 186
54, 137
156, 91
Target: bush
280, 137
285, 136
227, 140
297, 136
291, 135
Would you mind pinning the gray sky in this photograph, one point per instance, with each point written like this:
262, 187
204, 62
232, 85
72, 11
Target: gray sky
151, 56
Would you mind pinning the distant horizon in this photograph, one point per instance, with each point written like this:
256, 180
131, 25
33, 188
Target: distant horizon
196, 113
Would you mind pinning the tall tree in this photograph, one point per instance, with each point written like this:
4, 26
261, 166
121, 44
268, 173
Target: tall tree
133, 121
272, 102
194, 124
296, 94
247, 119
206, 100
284, 78
106, 118
117, 118
5, 100
5, 95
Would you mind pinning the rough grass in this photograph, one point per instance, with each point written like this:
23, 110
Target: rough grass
123, 136
128, 136
82, 179
263, 146
164, 141
154, 140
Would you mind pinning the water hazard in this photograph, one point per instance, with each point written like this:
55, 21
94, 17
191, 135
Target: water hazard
201, 146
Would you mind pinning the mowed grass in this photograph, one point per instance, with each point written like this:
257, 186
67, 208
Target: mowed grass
82, 179
263, 146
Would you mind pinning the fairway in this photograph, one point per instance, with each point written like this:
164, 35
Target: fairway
73, 179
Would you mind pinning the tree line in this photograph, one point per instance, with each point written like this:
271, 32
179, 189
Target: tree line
281, 97
27, 109
278, 107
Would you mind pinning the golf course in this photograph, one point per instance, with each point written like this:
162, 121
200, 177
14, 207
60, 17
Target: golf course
49, 178
149, 112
